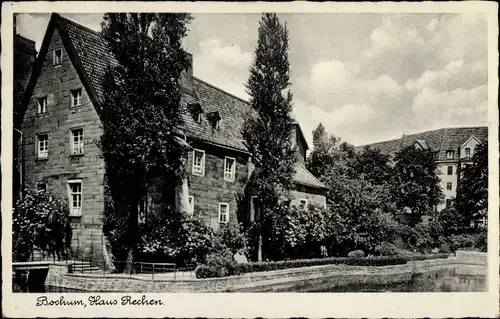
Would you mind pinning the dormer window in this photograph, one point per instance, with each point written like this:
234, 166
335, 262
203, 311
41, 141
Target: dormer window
450, 154
467, 152
195, 110
214, 118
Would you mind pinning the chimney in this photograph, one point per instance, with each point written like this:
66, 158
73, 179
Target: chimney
187, 77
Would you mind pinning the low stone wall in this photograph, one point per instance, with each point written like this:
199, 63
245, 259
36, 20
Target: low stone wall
279, 280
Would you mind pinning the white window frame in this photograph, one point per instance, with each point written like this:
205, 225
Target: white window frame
54, 56
226, 213
229, 175
76, 212
450, 154
41, 107
448, 170
81, 142
201, 170
467, 150
303, 200
253, 208
42, 153
76, 97
191, 204
449, 186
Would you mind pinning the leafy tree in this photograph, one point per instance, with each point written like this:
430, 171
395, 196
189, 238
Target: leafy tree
472, 190
452, 221
374, 166
268, 134
416, 183
40, 222
141, 109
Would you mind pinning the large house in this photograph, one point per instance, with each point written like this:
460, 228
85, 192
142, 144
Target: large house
62, 124
453, 149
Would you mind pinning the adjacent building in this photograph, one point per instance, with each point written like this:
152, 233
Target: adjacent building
453, 149
62, 125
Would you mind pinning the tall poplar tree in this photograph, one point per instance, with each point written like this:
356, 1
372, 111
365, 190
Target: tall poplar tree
268, 134
141, 109
472, 190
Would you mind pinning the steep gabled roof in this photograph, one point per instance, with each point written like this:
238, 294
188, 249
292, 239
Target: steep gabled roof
88, 51
304, 177
438, 141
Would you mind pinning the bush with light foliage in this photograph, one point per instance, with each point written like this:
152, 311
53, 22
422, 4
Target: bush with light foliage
40, 222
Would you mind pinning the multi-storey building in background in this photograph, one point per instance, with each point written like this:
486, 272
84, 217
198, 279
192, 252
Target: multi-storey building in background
453, 149
62, 125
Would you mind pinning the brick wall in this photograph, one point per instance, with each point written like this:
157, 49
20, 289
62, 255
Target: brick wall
60, 166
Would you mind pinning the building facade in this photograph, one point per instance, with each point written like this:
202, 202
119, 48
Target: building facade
453, 149
62, 126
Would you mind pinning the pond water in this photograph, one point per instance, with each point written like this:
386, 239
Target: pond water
443, 280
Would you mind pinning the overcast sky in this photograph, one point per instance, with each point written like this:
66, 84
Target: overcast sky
366, 77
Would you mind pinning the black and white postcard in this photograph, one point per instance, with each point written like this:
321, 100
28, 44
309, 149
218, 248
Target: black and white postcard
250, 159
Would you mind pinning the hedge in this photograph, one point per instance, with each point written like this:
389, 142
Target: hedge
204, 271
428, 256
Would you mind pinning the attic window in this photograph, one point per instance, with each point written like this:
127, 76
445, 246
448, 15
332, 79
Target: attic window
57, 57
196, 111
450, 154
214, 118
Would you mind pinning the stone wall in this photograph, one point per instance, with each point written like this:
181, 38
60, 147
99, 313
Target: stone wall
211, 189
314, 196
278, 280
56, 82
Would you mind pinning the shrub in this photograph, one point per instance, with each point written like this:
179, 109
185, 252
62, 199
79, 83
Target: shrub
230, 236
428, 256
482, 240
386, 249
219, 264
177, 238
462, 241
445, 248
40, 221
356, 254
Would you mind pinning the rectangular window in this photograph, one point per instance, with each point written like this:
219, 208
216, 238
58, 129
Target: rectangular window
142, 210
75, 198
191, 205
254, 208
450, 170
303, 203
448, 186
229, 169
198, 162
76, 97
77, 141
57, 57
42, 105
41, 186
467, 152
450, 154
43, 145
448, 202
223, 213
